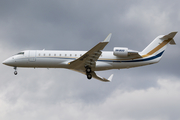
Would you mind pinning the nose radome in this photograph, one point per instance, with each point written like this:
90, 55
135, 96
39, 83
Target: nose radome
5, 62
8, 61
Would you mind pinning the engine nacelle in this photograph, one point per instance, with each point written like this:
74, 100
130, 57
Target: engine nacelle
120, 51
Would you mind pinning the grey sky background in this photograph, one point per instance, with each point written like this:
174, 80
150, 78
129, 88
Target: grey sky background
149, 92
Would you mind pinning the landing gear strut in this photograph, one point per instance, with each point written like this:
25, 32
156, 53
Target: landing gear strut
15, 72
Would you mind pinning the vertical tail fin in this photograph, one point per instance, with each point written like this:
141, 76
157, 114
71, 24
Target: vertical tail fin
159, 44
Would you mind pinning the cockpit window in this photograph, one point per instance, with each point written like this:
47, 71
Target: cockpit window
20, 53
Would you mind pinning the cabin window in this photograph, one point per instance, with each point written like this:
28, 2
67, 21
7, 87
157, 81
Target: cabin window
54, 54
65, 54
70, 55
75, 54
39, 54
59, 54
80, 54
44, 54
49, 54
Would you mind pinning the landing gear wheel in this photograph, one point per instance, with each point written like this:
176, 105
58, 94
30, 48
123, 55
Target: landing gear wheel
15, 73
89, 76
88, 70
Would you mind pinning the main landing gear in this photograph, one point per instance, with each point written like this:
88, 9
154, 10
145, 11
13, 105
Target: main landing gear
88, 72
89, 76
15, 72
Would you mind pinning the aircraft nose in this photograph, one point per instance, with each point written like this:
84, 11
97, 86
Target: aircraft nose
9, 61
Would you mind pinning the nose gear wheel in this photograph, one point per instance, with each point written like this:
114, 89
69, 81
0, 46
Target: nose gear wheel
15, 72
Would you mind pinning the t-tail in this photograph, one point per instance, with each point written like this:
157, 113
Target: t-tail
157, 47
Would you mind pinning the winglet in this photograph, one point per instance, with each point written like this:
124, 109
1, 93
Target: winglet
110, 78
108, 38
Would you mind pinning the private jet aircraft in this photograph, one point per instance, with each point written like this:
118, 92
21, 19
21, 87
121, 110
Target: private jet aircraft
87, 62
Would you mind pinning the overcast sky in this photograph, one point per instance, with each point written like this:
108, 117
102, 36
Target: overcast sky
149, 92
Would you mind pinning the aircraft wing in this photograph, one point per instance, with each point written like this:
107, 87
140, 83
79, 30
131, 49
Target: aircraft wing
90, 57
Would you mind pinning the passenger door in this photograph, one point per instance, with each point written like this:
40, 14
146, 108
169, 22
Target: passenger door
32, 55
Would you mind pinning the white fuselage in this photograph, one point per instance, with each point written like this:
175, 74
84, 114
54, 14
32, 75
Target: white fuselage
60, 59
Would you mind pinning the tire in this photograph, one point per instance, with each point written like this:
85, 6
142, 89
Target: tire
15, 72
88, 70
89, 76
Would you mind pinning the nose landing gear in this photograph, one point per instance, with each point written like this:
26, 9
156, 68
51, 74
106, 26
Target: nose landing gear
15, 72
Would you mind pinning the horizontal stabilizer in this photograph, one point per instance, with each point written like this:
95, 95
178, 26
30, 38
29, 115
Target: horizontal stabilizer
172, 34
169, 36
172, 42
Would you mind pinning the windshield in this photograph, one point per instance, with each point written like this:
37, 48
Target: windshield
20, 53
